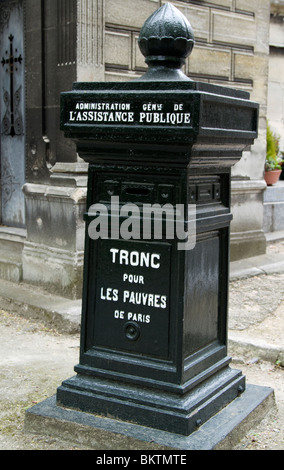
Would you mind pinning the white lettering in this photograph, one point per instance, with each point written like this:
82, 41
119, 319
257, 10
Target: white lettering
134, 258
139, 317
145, 298
104, 106
123, 257
161, 459
111, 460
121, 113
152, 107
164, 118
153, 264
126, 294
109, 294
119, 314
133, 278
114, 252
187, 118
100, 116
178, 107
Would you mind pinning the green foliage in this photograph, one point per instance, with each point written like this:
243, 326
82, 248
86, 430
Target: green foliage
273, 161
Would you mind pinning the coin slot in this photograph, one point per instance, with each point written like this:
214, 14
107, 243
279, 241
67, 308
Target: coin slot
137, 191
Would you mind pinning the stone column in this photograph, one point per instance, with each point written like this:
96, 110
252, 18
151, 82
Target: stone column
53, 251
90, 37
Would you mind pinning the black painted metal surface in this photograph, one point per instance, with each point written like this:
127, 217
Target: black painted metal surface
154, 319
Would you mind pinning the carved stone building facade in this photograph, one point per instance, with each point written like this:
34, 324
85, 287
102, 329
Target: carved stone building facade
62, 41
275, 110
274, 195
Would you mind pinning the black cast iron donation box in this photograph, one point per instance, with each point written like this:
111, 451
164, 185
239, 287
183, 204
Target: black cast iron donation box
155, 296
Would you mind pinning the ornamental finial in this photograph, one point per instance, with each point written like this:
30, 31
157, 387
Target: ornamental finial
166, 40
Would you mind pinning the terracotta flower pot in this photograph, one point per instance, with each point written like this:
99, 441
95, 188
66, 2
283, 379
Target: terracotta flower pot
271, 177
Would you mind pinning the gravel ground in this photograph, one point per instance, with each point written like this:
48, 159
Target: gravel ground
35, 360
254, 299
269, 435
31, 371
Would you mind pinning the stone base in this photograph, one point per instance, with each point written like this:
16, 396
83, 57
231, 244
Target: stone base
247, 236
247, 245
11, 246
58, 271
158, 408
221, 432
273, 208
54, 248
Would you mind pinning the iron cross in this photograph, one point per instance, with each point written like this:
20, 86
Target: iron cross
10, 61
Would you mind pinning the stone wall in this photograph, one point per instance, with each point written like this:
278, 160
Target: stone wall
275, 110
274, 195
226, 33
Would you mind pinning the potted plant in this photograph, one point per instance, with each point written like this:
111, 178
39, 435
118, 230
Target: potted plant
273, 161
282, 164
